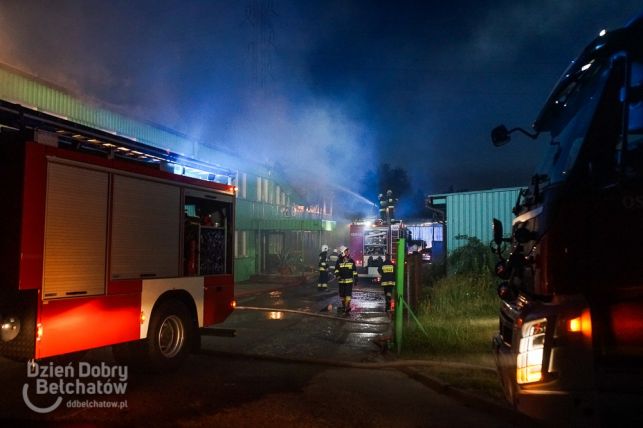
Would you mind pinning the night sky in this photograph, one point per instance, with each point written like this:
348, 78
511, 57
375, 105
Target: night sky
327, 89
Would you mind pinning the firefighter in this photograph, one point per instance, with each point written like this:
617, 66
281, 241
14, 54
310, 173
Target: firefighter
387, 271
322, 283
390, 205
346, 274
383, 205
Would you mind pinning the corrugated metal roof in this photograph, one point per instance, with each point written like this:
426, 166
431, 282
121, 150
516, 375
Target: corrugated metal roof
29, 91
21, 88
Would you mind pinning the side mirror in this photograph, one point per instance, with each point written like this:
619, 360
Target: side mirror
497, 232
500, 136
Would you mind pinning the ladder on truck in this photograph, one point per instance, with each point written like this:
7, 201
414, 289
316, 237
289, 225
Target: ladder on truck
55, 131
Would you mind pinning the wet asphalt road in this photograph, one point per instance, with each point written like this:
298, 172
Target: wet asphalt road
264, 376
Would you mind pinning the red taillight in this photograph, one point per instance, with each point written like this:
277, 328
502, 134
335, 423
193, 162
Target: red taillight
627, 323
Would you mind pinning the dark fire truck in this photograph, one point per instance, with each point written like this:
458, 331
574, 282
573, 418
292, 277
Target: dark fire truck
570, 340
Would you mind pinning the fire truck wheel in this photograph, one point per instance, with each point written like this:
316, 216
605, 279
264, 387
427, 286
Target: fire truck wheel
169, 338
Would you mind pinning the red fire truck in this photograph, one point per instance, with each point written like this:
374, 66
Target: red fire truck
570, 343
104, 244
370, 242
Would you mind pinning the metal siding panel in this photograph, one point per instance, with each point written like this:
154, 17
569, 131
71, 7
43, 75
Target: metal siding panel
470, 213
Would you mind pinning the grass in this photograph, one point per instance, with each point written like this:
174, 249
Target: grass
460, 316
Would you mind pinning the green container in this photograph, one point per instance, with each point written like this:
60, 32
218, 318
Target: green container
470, 214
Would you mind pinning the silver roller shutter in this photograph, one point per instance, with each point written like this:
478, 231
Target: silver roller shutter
75, 231
146, 218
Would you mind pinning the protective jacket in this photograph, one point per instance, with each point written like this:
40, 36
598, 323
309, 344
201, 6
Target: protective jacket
387, 270
323, 264
346, 270
323, 267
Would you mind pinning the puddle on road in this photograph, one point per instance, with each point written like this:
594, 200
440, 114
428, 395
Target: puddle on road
275, 315
363, 338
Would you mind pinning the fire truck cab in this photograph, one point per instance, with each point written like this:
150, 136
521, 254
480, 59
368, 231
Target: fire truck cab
570, 343
106, 241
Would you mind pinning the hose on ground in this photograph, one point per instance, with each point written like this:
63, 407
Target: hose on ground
349, 364
312, 314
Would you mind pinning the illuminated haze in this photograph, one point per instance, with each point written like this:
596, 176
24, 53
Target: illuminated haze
323, 89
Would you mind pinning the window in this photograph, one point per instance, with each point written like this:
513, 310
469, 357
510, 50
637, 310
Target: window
265, 194
207, 235
259, 188
569, 118
634, 154
275, 243
240, 243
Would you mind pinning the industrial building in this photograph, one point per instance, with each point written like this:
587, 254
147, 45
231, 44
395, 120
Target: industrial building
273, 220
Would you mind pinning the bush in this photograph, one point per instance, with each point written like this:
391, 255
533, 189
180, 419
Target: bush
432, 273
472, 258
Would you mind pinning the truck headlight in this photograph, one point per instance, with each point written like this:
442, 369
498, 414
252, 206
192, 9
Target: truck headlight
529, 364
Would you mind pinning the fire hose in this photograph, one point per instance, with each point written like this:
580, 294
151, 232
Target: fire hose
312, 314
369, 365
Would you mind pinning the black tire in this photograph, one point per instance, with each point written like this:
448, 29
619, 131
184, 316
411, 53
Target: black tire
170, 338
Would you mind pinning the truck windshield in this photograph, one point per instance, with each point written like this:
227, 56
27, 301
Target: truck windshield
569, 116
634, 156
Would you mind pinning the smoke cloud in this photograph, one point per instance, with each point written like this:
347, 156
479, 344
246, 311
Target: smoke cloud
314, 141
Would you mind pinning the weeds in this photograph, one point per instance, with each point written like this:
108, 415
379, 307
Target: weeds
458, 312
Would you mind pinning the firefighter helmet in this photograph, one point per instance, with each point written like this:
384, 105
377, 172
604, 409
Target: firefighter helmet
324, 248
342, 249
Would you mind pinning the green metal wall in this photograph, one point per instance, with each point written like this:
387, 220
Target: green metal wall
245, 267
252, 215
471, 214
